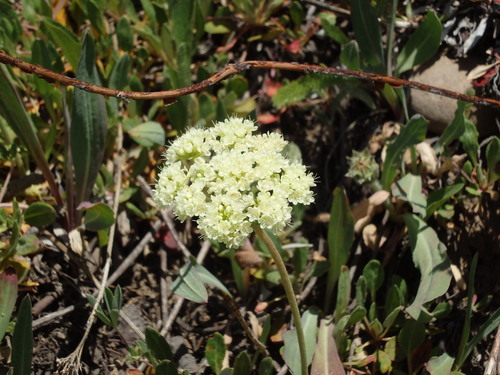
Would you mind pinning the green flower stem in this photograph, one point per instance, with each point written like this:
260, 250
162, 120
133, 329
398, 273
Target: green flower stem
290, 294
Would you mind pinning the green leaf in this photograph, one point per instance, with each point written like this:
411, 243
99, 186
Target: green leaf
440, 196
189, 284
374, 276
350, 55
411, 134
266, 366
148, 134
411, 336
340, 239
242, 364
27, 244
119, 76
343, 293
215, 352
158, 346
166, 368
326, 358
125, 34
367, 32
440, 365
88, 125
455, 129
291, 351
493, 160
301, 88
98, 216
488, 327
8, 296
469, 140
409, 188
328, 22
22, 339
421, 46
429, 256
13, 110
66, 40
361, 290
182, 17
40, 214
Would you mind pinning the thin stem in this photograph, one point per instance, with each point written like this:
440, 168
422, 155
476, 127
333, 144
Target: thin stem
290, 294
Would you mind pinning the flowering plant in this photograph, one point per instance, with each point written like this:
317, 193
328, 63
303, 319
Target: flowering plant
229, 179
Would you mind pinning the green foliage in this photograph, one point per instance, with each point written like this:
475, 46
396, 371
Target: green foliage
421, 46
22, 339
291, 348
110, 314
8, 296
429, 256
88, 125
215, 352
340, 239
191, 282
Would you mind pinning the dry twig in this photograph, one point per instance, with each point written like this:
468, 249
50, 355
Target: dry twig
230, 70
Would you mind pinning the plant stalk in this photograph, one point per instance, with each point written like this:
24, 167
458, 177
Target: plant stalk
290, 294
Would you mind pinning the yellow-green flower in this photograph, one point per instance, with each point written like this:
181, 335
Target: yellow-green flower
227, 179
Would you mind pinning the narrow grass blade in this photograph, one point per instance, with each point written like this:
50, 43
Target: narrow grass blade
22, 340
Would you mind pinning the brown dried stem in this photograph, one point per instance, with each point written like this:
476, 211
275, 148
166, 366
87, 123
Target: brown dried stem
232, 69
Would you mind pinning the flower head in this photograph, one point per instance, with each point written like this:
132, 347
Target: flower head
227, 179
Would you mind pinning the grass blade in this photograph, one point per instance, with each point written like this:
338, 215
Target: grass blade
22, 340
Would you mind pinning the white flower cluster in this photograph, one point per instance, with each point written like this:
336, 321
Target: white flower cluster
228, 178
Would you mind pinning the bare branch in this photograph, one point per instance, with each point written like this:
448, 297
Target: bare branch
231, 69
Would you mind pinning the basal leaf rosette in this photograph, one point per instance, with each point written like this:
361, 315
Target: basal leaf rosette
227, 179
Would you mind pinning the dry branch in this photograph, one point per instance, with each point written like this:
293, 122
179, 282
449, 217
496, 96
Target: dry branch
231, 69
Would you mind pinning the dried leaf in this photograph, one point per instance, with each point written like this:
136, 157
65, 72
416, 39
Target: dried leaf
364, 211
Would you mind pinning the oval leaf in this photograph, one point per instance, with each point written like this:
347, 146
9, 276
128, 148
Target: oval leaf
215, 352
148, 134
40, 214
98, 216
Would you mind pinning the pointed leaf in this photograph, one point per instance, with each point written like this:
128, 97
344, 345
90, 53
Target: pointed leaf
421, 46
493, 160
242, 364
440, 196
411, 134
189, 284
22, 339
429, 256
266, 366
340, 239
88, 125
66, 40
166, 368
411, 336
157, 344
367, 32
8, 296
